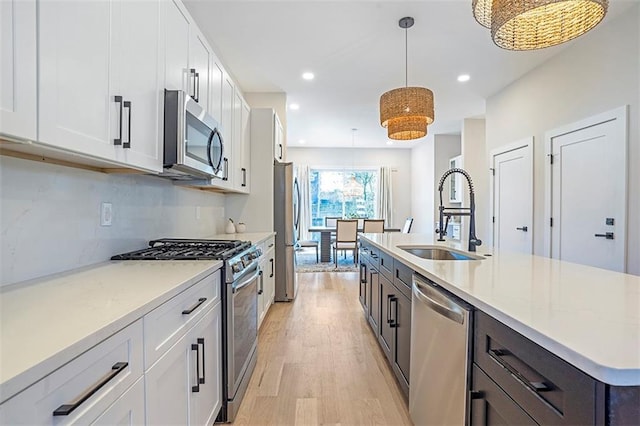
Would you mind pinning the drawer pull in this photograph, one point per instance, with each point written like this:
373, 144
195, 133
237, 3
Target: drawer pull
196, 347
66, 409
194, 307
201, 342
535, 387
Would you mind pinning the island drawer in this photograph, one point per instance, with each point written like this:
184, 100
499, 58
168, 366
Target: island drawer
549, 389
402, 277
81, 390
166, 324
374, 257
386, 265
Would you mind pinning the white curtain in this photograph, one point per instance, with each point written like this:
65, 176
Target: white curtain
385, 207
305, 203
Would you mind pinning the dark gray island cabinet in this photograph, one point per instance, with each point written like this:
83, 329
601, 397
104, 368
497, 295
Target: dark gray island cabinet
511, 379
514, 381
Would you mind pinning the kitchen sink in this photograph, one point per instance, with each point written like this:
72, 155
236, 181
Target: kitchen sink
439, 253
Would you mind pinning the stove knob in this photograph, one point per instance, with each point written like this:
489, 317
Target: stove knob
236, 267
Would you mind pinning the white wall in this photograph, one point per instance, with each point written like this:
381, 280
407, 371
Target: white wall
399, 160
423, 178
446, 147
50, 216
475, 162
600, 72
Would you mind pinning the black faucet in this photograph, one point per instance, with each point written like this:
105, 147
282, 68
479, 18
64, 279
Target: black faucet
459, 211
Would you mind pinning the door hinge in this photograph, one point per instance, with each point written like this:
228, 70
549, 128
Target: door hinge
550, 158
550, 221
493, 171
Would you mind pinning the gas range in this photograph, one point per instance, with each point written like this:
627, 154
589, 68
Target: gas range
238, 255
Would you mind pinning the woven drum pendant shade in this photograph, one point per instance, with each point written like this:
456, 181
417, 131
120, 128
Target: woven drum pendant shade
536, 24
482, 12
406, 112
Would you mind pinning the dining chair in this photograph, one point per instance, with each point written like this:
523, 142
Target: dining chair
373, 226
407, 225
361, 222
310, 243
346, 238
330, 221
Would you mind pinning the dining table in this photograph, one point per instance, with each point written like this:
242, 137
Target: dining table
325, 239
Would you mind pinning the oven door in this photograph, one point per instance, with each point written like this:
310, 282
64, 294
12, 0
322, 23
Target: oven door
242, 330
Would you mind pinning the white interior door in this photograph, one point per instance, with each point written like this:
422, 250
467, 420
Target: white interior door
588, 194
513, 198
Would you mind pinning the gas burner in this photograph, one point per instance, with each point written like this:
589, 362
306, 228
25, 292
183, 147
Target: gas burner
187, 249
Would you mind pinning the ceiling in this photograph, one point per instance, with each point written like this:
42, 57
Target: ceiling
356, 50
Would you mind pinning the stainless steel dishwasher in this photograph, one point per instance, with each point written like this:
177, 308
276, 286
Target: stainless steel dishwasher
439, 356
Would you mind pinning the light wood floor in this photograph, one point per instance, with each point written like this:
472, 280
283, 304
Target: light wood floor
319, 363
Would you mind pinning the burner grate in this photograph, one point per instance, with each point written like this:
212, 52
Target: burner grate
186, 249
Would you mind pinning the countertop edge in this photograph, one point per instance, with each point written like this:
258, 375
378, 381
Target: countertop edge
606, 374
18, 383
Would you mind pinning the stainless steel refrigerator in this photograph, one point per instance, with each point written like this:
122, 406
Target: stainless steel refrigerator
286, 215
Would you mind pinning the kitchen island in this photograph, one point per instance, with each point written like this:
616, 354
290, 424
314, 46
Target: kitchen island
587, 317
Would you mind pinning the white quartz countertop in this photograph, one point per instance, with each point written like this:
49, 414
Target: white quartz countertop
254, 237
587, 316
45, 323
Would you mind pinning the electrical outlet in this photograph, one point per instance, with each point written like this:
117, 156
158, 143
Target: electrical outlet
106, 214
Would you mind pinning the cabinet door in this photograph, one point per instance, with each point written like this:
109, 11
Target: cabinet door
207, 362
137, 78
167, 387
226, 124
364, 278
18, 80
77, 109
236, 160
244, 181
215, 94
401, 314
200, 60
176, 36
278, 139
386, 338
271, 279
126, 410
264, 266
490, 405
374, 300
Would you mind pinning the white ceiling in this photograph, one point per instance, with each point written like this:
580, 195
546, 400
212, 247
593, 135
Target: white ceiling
357, 51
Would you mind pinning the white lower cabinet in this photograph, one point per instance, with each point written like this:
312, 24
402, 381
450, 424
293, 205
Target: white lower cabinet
184, 386
267, 290
83, 389
127, 410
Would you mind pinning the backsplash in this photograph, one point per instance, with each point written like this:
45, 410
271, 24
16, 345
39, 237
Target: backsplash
50, 216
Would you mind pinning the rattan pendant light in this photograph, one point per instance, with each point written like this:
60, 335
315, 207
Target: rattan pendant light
536, 24
406, 111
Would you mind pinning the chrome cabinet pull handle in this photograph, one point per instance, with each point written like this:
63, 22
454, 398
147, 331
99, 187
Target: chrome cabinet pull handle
194, 307
523, 229
261, 290
535, 387
244, 176
193, 73
66, 409
226, 169
118, 140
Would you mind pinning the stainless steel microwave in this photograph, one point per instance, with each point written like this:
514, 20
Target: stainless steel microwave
193, 143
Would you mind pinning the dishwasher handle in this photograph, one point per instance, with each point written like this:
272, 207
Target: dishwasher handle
438, 302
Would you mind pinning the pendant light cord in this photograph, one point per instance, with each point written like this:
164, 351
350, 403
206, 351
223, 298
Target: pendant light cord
406, 59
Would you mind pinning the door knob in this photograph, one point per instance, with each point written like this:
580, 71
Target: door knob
608, 235
523, 229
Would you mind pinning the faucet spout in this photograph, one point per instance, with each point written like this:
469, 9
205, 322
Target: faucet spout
450, 212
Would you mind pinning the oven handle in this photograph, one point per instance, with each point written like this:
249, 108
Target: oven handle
247, 281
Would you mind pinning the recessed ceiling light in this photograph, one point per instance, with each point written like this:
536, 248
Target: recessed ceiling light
463, 77
302, 141
308, 76
294, 107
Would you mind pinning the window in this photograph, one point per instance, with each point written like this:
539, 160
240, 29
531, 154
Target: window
342, 193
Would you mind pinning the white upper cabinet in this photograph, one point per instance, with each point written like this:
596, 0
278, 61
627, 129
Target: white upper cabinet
100, 92
77, 107
176, 47
139, 79
18, 80
200, 61
278, 140
245, 147
226, 126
